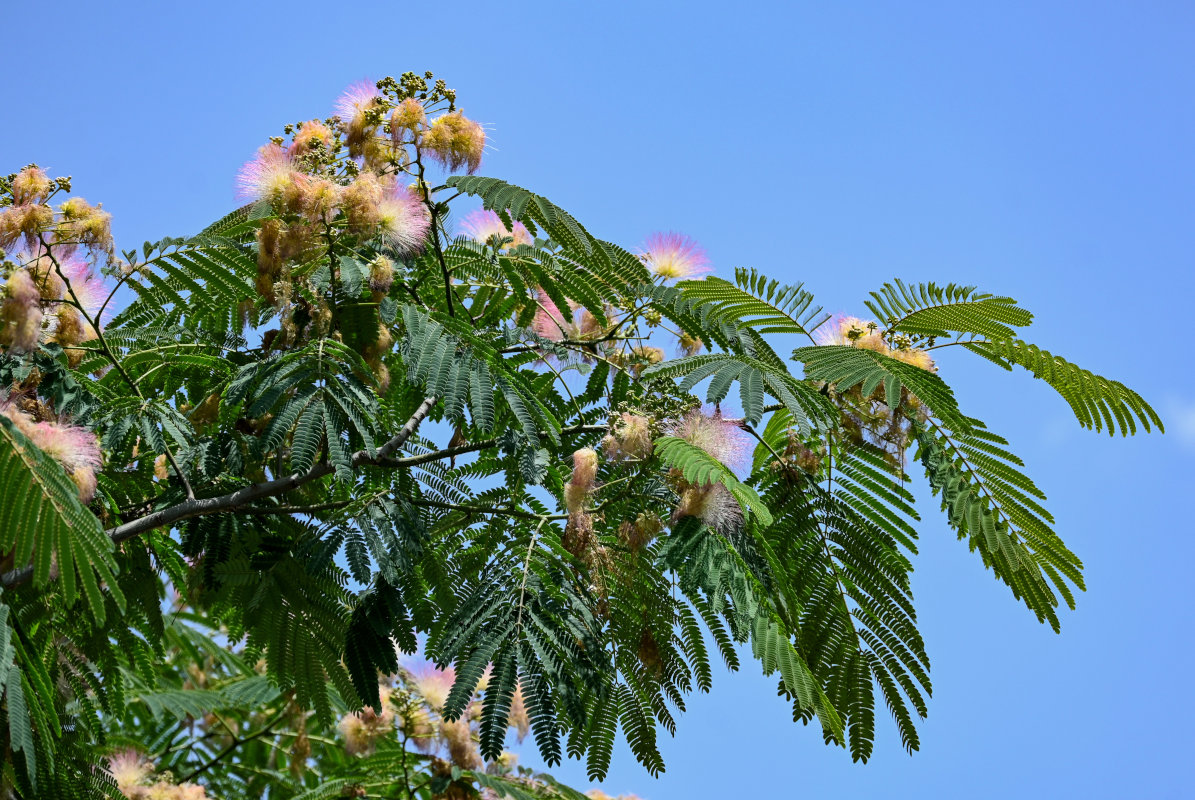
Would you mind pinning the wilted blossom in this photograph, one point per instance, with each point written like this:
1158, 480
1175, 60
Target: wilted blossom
409, 115
719, 437
31, 185
674, 256
482, 225
629, 437
687, 345
20, 313
381, 276
462, 749
24, 222
455, 141
85, 224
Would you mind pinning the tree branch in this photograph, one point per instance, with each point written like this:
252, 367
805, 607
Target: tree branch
243, 496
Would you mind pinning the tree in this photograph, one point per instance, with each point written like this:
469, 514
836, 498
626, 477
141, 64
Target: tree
325, 431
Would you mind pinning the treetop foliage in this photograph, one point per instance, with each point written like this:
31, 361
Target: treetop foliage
340, 426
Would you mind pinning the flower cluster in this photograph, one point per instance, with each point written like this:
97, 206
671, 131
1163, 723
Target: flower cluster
629, 437
855, 332
132, 772
362, 729
725, 440
50, 292
76, 448
412, 706
870, 420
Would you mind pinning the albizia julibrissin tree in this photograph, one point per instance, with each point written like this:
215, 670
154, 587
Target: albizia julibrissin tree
338, 425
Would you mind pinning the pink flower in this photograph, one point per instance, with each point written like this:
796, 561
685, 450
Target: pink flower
720, 437
20, 313
432, 684
269, 176
674, 256
402, 219
358, 98
549, 322
88, 287
482, 225
129, 769
76, 448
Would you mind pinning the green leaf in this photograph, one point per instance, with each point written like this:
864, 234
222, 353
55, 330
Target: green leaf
41, 518
700, 468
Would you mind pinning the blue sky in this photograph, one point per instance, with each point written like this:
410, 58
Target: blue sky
1036, 149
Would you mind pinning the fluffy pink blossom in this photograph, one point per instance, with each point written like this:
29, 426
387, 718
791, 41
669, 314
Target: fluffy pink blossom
268, 176
357, 99
402, 219
129, 769
76, 448
549, 321
483, 224
720, 437
88, 287
674, 256
432, 684
20, 313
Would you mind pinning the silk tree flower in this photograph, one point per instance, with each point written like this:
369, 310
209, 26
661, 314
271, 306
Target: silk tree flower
629, 437
462, 750
85, 224
354, 109
687, 345
374, 205
482, 225
409, 115
865, 334
719, 437
269, 176
309, 136
674, 256
20, 313
128, 769
24, 222
76, 448
518, 718
31, 185
362, 729
549, 321
88, 288
432, 684
403, 221
455, 141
